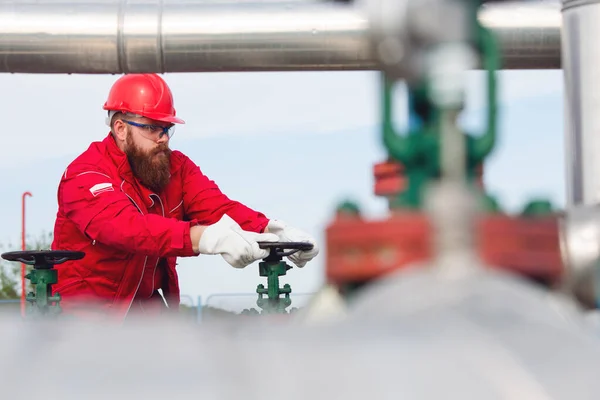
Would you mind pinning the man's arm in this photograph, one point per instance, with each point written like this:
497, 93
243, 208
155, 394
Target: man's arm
98, 207
204, 201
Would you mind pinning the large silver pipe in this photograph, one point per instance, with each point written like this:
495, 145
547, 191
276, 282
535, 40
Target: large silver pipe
121, 36
581, 65
580, 226
112, 37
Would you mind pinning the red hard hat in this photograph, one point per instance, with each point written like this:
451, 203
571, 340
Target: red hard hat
143, 94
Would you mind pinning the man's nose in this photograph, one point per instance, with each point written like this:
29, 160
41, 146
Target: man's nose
163, 138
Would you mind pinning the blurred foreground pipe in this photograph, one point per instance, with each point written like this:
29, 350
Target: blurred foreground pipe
581, 62
119, 36
581, 56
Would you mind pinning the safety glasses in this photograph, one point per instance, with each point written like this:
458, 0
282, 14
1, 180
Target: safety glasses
153, 132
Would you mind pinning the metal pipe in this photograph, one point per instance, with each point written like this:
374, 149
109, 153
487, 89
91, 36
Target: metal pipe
529, 33
580, 225
124, 36
581, 64
115, 37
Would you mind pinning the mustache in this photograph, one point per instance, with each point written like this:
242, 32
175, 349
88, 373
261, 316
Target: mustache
161, 149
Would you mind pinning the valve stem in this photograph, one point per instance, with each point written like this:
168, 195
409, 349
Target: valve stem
450, 204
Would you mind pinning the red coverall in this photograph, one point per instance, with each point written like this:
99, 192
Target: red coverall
131, 236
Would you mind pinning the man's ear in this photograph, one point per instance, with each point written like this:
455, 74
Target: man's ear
119, 129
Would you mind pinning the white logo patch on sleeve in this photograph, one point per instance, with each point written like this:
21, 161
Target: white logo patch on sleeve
101, 188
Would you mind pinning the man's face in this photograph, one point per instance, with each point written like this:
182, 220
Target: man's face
148, 156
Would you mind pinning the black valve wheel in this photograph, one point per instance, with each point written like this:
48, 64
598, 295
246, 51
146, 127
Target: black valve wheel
43, 259
278, 249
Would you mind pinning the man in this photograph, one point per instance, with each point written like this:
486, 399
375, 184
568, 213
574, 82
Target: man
133, 206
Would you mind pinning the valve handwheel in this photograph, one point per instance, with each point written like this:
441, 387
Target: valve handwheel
43, 259
277, 249
43, 301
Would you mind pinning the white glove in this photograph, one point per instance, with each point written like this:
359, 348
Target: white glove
289, 234
237, 246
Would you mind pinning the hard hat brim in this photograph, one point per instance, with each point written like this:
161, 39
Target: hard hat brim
173, 119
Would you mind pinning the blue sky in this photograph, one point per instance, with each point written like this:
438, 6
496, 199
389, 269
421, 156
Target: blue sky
289, 144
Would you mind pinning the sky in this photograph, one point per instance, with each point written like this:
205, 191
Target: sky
292, 145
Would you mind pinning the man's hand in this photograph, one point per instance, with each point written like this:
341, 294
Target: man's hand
287, 233
238, 247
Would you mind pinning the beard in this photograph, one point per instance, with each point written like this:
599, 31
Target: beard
151, 168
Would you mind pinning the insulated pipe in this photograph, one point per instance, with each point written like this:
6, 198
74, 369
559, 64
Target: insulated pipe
124, 36
581, 62
580, 233
580, 224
